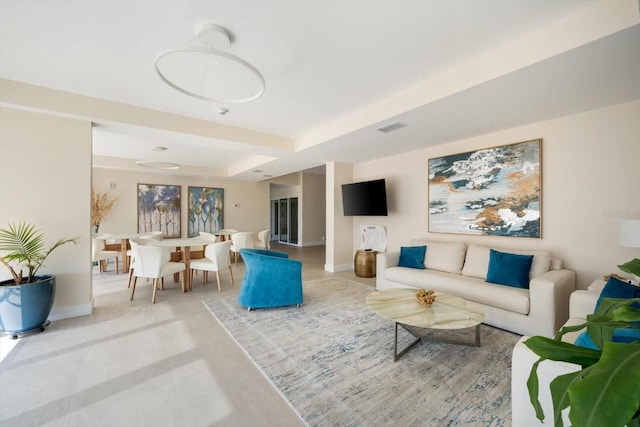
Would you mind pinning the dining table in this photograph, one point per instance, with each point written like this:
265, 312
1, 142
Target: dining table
183, 246
124, 244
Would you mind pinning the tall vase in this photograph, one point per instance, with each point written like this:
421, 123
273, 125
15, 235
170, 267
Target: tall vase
95, 228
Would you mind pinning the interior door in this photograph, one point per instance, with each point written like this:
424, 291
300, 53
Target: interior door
283, 219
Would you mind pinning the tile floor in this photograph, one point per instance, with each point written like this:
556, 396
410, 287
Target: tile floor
137, 364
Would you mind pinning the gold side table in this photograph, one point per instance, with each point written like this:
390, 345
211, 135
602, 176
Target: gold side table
364, 263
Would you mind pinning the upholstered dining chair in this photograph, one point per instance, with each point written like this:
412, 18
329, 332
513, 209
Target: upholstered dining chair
263, 241
102, 256
216, 258
142, 240
154, 262
241, 240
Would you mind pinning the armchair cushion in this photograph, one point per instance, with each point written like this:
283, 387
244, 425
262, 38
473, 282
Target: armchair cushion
271, 279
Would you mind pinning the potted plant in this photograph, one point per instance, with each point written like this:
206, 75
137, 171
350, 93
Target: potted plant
25, 301
100, 207
606, 391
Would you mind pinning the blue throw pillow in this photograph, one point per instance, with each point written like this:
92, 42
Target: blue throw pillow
509, 269
412, 256
618, 289
622, 335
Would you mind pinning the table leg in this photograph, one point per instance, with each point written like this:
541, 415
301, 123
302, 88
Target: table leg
397, 355
125, 261
186, 259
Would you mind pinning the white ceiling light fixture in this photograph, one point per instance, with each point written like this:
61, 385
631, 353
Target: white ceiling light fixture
209, 73
157, 165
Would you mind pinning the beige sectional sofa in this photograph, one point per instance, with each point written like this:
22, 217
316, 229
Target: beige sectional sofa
460, 269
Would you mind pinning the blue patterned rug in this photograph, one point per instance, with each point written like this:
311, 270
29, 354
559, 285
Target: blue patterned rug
332, 359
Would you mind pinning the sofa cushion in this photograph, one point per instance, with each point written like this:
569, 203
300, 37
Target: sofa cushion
412, 256
445, 256
509, 269
618, 289
476, 263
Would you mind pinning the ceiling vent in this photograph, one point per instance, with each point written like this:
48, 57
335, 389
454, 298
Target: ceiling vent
391, 127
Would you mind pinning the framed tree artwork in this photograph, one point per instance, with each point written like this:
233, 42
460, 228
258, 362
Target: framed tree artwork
205, 211
493, 192
159, 209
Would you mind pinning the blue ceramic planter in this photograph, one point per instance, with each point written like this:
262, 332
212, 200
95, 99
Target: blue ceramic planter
25, 308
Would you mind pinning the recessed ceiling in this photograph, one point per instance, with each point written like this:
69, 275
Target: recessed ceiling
334, 71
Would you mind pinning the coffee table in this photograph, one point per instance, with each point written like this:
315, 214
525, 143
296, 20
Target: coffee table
448, 312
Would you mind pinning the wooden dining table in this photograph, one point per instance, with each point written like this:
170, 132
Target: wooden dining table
123, 245
184, 247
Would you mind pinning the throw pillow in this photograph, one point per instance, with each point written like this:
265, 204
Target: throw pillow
509, 269
622, 335
412, 256
618, 289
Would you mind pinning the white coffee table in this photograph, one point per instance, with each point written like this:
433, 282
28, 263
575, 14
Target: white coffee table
447, 312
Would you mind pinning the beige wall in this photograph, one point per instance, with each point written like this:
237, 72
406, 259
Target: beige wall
313, 219
339, 232
591, 179
251, 198
45, 179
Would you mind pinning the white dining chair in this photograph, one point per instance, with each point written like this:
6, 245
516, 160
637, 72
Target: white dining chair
241, 240
263, 240
154, 262
141, 240
216, 258
102, 256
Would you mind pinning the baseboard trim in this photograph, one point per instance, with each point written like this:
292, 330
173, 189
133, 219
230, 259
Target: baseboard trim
338, 268
316, 243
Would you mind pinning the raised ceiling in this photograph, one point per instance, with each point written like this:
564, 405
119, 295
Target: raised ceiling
335, 72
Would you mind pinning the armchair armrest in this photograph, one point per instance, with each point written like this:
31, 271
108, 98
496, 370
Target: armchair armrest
583, 303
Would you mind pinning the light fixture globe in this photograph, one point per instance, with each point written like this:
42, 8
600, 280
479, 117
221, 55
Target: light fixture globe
209, 73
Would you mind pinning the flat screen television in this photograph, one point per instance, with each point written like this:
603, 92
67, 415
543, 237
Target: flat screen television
367, 198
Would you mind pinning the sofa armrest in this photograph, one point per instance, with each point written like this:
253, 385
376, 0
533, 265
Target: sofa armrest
385, 260
522, 360
583, 303
549, 295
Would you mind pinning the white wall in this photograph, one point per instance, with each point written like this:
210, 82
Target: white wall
313, 219
252, 198
45, 180
590, 180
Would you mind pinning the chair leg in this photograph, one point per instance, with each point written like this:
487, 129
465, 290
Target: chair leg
117, 270
133, 287
184, 282
205, 277
231, 273
162, 283
155, 288
130, 277
218, 277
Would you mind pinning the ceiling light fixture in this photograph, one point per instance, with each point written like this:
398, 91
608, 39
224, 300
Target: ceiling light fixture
157, 165
206, 72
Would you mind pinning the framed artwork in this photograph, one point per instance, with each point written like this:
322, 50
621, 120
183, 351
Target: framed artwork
205, 210
491, 192
159, 209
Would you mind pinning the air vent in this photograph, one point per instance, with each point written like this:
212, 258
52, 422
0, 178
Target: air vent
391, 127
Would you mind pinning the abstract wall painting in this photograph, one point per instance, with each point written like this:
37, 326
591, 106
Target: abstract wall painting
206, 211
159, 209
491, 192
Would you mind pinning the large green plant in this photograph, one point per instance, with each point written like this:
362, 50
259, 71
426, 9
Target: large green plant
606, 392
24, 245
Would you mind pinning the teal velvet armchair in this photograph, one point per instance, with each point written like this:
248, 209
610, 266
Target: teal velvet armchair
271, 279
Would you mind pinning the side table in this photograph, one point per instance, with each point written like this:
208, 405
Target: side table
364, 263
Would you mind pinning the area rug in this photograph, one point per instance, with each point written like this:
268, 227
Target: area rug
332, 359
